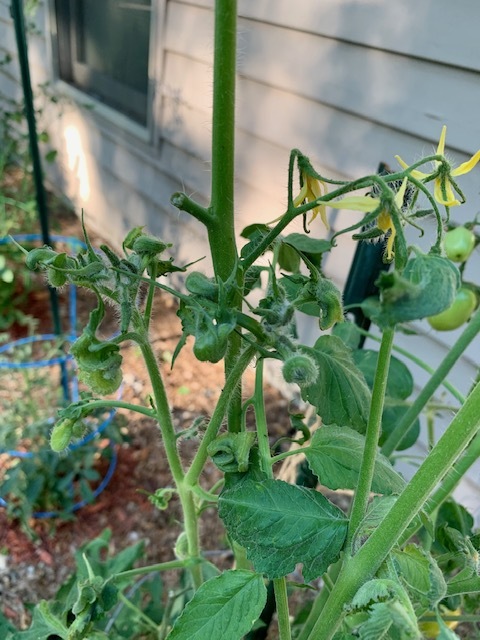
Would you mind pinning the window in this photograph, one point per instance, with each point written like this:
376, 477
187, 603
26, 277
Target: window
103, 49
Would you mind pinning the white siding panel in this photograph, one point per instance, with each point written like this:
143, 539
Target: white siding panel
189, 30
441, 31
376, 85
373, 85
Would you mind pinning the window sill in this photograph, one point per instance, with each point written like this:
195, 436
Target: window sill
109, 119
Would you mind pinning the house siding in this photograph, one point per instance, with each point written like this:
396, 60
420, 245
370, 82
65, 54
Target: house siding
350, 83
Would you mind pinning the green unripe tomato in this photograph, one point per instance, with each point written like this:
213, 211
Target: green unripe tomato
300, 369
459, 244
61, 434
457, 314
103, 381
149, 245
200, 284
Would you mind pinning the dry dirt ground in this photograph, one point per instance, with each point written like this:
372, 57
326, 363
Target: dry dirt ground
33, 568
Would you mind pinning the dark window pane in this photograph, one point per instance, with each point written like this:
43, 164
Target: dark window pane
108, 51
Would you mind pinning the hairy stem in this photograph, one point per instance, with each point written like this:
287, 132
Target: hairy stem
221, 226
280, 584
362, 492
193, 474
167, 429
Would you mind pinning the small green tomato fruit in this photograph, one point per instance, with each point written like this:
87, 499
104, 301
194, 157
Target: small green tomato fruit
459, 244
103, 381
200, 284
149, 245
61, 434
457, 314
300, 369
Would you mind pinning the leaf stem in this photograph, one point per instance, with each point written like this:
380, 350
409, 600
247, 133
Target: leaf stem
119, 404
261, 421
193, 474
372, 435
281, 598
418, 361
161, 566
165, 423
279, 584
409, 417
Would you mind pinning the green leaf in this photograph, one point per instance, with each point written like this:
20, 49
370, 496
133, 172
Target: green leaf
288, 258
420, 574
347, 332
254, 230
306, 244
390, 614
399, 381
223, 608
293, 285
44, 624
340, 394
393, 412
281, 525
51, 155
426, 287
335, 456
5, 627
377, 510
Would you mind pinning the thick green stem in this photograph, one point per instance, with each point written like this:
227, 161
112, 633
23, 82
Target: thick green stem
372, 435
363, 566
221, 226
432, 385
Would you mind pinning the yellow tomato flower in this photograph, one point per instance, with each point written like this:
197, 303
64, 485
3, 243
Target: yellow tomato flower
443, 189
384, 220
310, 191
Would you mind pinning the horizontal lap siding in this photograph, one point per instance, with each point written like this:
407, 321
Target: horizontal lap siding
437, 31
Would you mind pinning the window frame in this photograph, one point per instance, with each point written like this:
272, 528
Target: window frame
60, 51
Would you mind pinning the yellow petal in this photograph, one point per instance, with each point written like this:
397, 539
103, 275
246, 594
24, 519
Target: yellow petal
315, 187
450, 200
441, 142
356, 203
465, 167
419, 175
302, 195
322, 212
384, 221
401, 193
